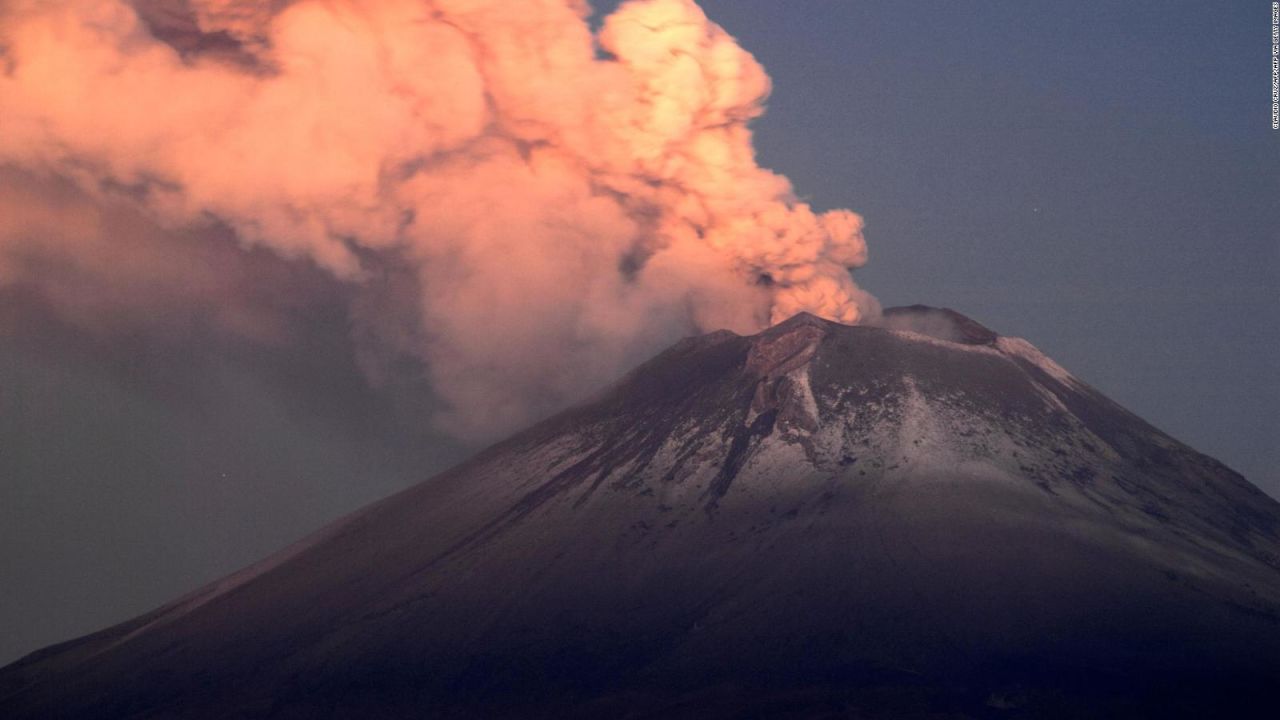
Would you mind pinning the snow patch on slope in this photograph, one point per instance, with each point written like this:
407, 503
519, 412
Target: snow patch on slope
1019, 348
917, 435
921, 338
804, 390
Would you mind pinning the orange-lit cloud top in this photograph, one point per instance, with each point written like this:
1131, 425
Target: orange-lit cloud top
565, 200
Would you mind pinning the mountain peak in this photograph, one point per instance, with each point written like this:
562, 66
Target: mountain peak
787, 345
942, 324
817, 516
939, 323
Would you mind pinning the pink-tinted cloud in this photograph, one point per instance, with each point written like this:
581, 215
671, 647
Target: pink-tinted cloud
564, 201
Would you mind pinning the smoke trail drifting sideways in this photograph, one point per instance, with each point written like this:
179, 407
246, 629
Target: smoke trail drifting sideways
564, 201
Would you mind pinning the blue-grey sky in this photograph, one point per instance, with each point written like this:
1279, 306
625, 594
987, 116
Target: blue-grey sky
1098, 177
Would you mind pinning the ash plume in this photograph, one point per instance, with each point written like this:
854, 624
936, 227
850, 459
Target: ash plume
553, 202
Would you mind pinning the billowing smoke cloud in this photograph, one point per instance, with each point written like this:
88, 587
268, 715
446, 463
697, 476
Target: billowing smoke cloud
552, 203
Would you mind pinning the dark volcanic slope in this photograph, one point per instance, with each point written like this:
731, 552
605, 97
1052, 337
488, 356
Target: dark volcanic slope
817, 521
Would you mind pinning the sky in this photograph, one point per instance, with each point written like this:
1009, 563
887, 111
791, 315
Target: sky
1099, 178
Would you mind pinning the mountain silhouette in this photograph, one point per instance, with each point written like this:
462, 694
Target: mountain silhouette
916, 519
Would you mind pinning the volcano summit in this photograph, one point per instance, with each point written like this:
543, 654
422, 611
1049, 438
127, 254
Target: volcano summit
919, 519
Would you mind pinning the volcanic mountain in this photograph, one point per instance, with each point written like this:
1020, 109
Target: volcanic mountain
919, 519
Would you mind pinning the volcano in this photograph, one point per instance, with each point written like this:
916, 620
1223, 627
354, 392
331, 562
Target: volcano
917, 519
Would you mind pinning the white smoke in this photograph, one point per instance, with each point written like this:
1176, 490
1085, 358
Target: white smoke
566, 201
